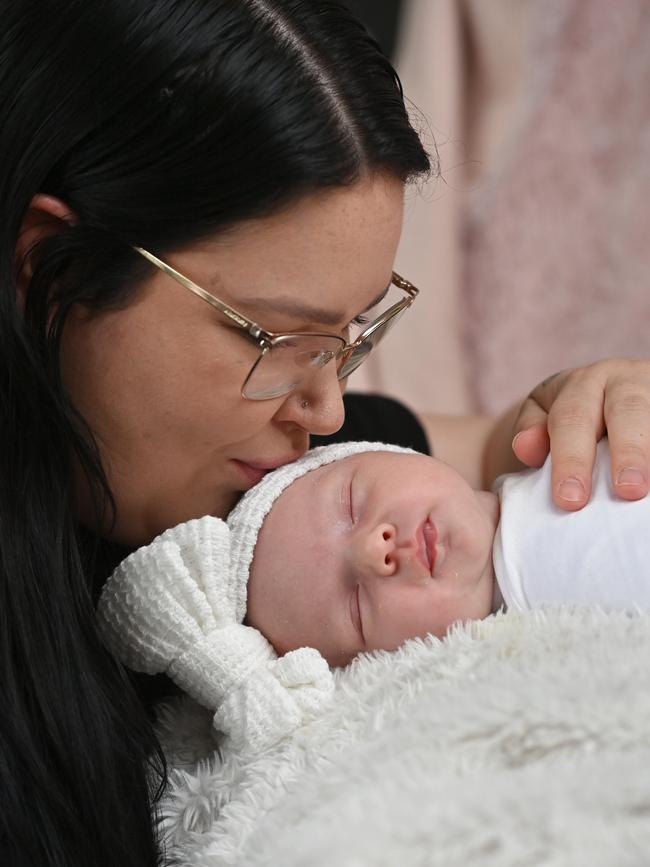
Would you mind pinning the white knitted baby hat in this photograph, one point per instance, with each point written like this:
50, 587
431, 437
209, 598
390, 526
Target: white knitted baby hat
178, 604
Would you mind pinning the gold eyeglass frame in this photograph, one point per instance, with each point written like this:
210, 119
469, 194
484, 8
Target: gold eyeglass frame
266, 340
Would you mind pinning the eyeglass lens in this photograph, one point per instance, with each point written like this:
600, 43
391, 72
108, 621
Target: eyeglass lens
282, 367
363, 350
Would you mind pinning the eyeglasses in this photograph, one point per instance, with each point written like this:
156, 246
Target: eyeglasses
287, 360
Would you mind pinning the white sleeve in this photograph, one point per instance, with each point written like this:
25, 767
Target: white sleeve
598, 555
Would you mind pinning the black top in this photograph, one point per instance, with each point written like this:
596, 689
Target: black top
379, 419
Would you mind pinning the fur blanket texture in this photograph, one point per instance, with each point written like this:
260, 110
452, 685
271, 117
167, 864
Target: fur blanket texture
523, 739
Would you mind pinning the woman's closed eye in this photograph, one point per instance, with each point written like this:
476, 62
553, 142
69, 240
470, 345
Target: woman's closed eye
354, 328
371, 312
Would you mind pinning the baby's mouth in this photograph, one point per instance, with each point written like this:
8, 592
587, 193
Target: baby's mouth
428, 537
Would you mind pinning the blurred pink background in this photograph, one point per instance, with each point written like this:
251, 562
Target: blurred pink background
532, 250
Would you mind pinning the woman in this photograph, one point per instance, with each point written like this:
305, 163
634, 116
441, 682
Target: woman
259, 149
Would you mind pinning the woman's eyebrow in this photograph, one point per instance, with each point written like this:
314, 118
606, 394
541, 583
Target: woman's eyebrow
378, 299
297, 309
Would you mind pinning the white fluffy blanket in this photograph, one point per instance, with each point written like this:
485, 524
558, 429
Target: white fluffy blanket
520, 740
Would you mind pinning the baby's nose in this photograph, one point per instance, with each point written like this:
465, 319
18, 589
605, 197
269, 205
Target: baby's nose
377, 550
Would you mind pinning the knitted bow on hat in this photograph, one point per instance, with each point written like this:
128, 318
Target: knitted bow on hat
174, 606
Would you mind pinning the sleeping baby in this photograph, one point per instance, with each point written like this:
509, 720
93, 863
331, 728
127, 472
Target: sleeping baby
366, 552
356, 547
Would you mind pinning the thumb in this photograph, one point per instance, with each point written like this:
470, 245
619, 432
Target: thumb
532, 443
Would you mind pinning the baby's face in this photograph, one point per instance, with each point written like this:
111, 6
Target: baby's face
364, 553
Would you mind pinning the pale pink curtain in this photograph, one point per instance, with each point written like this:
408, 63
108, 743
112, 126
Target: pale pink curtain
421, 361
534, 254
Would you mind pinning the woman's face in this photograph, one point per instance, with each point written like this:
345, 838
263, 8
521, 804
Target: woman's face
159, 381
367, 552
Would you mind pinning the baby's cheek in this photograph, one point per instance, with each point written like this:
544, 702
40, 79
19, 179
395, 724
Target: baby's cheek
320, 557
264, 594
266, 613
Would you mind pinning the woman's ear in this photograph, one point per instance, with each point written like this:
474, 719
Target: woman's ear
45, 215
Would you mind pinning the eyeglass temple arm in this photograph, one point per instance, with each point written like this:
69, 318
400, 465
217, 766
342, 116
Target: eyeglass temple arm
235, 316
243, 321
401, 283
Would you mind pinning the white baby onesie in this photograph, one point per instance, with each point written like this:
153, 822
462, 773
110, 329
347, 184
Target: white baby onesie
598, 555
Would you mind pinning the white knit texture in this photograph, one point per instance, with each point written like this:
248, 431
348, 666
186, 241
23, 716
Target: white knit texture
170, 607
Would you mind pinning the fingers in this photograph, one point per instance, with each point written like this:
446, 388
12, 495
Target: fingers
531, 443
531, 446
577, 407
571, 403
534, 410
575, 425
627, 414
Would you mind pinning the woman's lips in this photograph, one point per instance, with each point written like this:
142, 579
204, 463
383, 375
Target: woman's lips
254, 471
251, 474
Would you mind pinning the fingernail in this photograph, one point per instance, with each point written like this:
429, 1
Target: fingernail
514, 441
571, 490
630, 476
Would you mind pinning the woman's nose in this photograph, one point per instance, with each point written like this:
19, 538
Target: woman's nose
376, 551
317, 405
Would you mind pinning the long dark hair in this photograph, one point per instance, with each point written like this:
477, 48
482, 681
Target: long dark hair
157, 122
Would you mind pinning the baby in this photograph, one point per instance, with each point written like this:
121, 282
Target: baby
379, 547
356, 547
369, 550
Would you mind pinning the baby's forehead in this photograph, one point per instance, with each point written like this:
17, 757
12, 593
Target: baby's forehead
333, 468
364, 459
379, 457
374, 460
374, 464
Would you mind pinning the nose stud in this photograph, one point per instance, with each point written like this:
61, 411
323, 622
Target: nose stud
304, 404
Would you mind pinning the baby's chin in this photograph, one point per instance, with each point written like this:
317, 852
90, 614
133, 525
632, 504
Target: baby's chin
489, 503
340, 661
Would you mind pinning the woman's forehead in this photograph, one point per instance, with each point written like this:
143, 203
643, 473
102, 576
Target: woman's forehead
323, 251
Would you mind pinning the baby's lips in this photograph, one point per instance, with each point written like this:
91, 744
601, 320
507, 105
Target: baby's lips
425, 540
441, 553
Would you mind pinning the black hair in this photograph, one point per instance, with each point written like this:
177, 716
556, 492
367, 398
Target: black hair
157, 122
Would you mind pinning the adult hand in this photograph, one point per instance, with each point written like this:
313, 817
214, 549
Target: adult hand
570, 411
